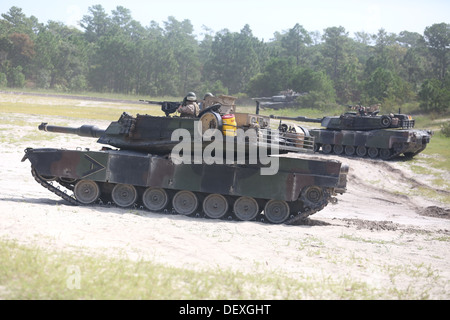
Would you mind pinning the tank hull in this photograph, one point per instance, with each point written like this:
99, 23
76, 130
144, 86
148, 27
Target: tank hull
383, 143
305, 185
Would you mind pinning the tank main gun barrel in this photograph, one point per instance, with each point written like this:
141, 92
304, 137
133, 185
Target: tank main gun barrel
83, 131
301, 119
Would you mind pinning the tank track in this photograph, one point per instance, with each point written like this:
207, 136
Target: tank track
389, 154
309, 208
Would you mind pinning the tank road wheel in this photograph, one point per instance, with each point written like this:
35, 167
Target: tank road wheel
316, 147
67, 180
349, 150
373, 152
215, 206
245, 208
361, 151
124, 195
312, 195
185, 202
276, 211
326, 148
385, 153
155, 199
338, 149
86, 191
46, 178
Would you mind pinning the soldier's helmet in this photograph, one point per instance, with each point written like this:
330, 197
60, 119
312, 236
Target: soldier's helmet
191, 97
209, 94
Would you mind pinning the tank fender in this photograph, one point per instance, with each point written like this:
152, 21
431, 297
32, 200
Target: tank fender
25, 156
342, 182
403, 138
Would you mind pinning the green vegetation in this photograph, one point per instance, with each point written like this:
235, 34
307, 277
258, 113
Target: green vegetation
115, 54
445, 129
439, 151
439, 145
359, 239
35, 273
74, 110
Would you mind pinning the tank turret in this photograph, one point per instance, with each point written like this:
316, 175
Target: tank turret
141, 133
219, 164
155, 134
365, 132
355, 121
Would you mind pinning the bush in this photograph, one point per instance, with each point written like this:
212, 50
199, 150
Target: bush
43, 79
434, 96
16, 77
3, 81
216, 88
445, 129
78, 83
315, 100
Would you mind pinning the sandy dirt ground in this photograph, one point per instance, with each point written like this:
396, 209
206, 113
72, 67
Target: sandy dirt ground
385, 231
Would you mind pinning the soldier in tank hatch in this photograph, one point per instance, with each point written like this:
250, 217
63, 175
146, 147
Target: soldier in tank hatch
189, 107
202, 103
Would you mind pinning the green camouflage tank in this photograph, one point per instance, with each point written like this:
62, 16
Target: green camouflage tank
140, 168
367, 134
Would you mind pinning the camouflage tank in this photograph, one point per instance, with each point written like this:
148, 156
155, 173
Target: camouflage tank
139, 168
365, 133
285, 99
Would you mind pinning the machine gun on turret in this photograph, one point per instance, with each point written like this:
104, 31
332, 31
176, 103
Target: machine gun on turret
167, 107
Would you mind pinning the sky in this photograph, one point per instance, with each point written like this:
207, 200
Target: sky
263, 16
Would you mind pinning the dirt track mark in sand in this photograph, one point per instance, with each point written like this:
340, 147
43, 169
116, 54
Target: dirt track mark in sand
435, 211
391, 173
403, 177
388, 177
389, 226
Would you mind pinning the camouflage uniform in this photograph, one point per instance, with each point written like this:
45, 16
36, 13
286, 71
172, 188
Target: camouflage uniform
190, 109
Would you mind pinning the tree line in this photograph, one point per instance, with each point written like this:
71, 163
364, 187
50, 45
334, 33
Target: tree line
115, 53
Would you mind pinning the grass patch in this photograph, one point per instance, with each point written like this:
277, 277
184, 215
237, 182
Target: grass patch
439, 149
442, 238
75, 111
359, 239
73, 108
13, 140
34, 273
102, 95
434, 161
431, 193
